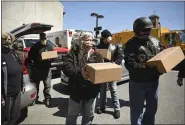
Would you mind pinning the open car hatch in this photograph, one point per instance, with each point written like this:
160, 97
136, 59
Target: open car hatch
31, 28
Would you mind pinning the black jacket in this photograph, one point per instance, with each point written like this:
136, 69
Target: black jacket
80, 89
117, 56
137, 52
35, 56
182, 69
11, 73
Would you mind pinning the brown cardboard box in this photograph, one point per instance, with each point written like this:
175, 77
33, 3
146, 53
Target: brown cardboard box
49, 55
104, 72
105, 53
166, 60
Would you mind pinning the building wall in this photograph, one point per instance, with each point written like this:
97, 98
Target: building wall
14, 14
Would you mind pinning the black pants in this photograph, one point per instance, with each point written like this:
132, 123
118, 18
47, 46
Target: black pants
45, 76
11, 110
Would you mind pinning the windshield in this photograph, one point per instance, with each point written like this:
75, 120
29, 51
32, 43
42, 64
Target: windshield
30, 42
182, 37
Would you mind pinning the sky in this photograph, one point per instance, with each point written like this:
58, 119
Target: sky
119, 16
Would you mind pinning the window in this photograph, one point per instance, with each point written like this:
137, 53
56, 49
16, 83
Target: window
171, 39
30, 42
57, 41
182, 37
52, 44
18, 44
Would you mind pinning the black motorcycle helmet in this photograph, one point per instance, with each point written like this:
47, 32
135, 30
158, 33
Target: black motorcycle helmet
143, 24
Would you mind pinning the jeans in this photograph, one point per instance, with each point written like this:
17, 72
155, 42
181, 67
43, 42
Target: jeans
46, 77
138, 93
11, 111
74, 108
114, 95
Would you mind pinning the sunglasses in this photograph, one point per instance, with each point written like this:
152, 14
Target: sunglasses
146, 30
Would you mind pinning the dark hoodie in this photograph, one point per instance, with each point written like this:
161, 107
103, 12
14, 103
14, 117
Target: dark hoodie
79, 88
117, 56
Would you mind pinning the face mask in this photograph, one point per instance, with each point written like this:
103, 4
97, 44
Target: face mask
86, 48
43, 42
109, 38
143, 37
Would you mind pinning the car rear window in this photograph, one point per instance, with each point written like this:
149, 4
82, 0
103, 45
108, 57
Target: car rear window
30, 42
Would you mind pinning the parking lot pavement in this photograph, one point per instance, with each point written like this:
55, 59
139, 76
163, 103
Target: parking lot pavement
170, 109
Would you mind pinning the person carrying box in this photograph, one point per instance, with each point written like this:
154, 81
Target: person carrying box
144, 80
116, 57
82, 91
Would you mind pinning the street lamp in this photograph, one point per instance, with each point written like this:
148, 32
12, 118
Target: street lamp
97, 17
64, 13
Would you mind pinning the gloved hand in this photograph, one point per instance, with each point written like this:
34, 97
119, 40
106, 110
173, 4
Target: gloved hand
180, 81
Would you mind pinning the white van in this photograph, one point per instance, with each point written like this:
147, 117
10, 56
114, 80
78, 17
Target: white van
63, 38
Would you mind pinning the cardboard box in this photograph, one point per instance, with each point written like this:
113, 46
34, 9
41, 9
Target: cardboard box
105, 53
166, 60
49, 55
104, 72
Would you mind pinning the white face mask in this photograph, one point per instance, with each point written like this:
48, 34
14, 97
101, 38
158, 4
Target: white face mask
109, 38
43, 42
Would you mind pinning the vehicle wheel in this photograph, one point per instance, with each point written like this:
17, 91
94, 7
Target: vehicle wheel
23, 115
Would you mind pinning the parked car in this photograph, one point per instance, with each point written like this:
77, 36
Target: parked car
27, 35
125, 74
22, 47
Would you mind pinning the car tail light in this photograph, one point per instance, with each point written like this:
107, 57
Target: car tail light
33, 95
70, 33
35, 24
25, 71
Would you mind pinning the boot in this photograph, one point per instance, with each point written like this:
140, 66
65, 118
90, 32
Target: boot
100, 110
47, 102
116, 114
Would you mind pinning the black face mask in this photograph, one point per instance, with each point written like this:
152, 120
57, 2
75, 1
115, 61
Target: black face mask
144, 36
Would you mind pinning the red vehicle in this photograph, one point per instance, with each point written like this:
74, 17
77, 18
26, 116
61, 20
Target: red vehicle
27, 35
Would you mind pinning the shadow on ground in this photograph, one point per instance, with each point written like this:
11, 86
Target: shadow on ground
62, 104
110, 104
63, 89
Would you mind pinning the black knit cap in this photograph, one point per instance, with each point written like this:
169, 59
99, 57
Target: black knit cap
106, 33
43, 36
